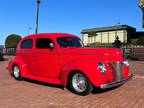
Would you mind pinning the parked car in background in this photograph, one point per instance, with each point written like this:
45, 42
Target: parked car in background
60, 58
1, 55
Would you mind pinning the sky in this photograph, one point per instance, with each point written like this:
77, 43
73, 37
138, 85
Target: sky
68, 16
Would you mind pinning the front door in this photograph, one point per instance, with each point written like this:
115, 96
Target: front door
45, 59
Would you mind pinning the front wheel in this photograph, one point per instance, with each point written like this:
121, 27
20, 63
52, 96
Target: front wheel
79, 84
16, 72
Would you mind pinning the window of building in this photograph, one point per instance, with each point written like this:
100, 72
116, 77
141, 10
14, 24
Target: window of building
43, 43
27, 44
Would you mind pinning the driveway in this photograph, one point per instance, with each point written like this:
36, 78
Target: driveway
31, 94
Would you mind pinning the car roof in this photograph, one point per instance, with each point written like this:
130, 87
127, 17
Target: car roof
50, 35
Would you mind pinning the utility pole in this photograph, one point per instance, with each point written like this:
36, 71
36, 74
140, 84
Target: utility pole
37, 16
141, 5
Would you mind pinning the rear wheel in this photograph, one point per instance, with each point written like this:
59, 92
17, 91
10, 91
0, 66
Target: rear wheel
79, 84
16, 72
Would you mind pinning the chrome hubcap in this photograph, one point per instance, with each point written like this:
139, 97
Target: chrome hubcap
79, 82
16, 71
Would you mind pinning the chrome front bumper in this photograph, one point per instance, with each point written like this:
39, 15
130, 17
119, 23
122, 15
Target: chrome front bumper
114, 84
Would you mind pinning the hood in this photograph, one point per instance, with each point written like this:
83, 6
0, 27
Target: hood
110, 54
96, 51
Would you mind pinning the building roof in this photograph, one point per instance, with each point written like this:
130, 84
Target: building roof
111, 28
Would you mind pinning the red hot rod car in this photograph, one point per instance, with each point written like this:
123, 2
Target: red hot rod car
61, 59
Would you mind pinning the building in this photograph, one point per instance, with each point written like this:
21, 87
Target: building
107, 34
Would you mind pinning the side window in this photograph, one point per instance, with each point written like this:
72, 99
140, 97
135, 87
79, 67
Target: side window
27, 44
43, 43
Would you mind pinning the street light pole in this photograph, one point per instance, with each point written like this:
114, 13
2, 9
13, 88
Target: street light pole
141, 5
37, 16
143, 18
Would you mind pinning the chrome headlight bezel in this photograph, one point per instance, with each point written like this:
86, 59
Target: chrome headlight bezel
126, 62
102, 67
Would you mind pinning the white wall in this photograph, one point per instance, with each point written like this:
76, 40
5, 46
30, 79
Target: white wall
85, 39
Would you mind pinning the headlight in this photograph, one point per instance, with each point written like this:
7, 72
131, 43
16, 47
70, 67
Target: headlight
102, 68
126, 63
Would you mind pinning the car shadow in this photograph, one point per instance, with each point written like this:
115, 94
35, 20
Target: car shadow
43, 83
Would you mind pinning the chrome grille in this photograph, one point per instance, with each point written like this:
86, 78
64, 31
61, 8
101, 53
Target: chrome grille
118, 67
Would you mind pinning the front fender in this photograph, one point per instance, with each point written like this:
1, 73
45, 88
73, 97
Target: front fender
87, 67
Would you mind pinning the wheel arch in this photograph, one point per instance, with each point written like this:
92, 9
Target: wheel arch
20, 63
66, 71
76, 71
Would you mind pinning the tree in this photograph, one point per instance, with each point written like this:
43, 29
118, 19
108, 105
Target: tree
141, 41
134, 41
12, 41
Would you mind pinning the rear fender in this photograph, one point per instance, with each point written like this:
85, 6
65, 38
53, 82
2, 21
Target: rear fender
16, 60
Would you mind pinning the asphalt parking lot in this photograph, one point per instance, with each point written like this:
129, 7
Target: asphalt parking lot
30, 94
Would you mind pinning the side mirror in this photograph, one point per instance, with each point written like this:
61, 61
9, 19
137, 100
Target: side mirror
52, 46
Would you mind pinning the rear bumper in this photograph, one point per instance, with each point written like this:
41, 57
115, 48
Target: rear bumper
116, 83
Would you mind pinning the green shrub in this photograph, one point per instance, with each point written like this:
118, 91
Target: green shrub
12, 41
134, 41
141, 41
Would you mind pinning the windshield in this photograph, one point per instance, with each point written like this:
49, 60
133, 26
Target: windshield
65, 42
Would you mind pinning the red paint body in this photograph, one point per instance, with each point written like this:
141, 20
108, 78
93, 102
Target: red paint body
54, 66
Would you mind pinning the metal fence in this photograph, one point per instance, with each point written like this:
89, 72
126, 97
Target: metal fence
8, 51
129, 50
